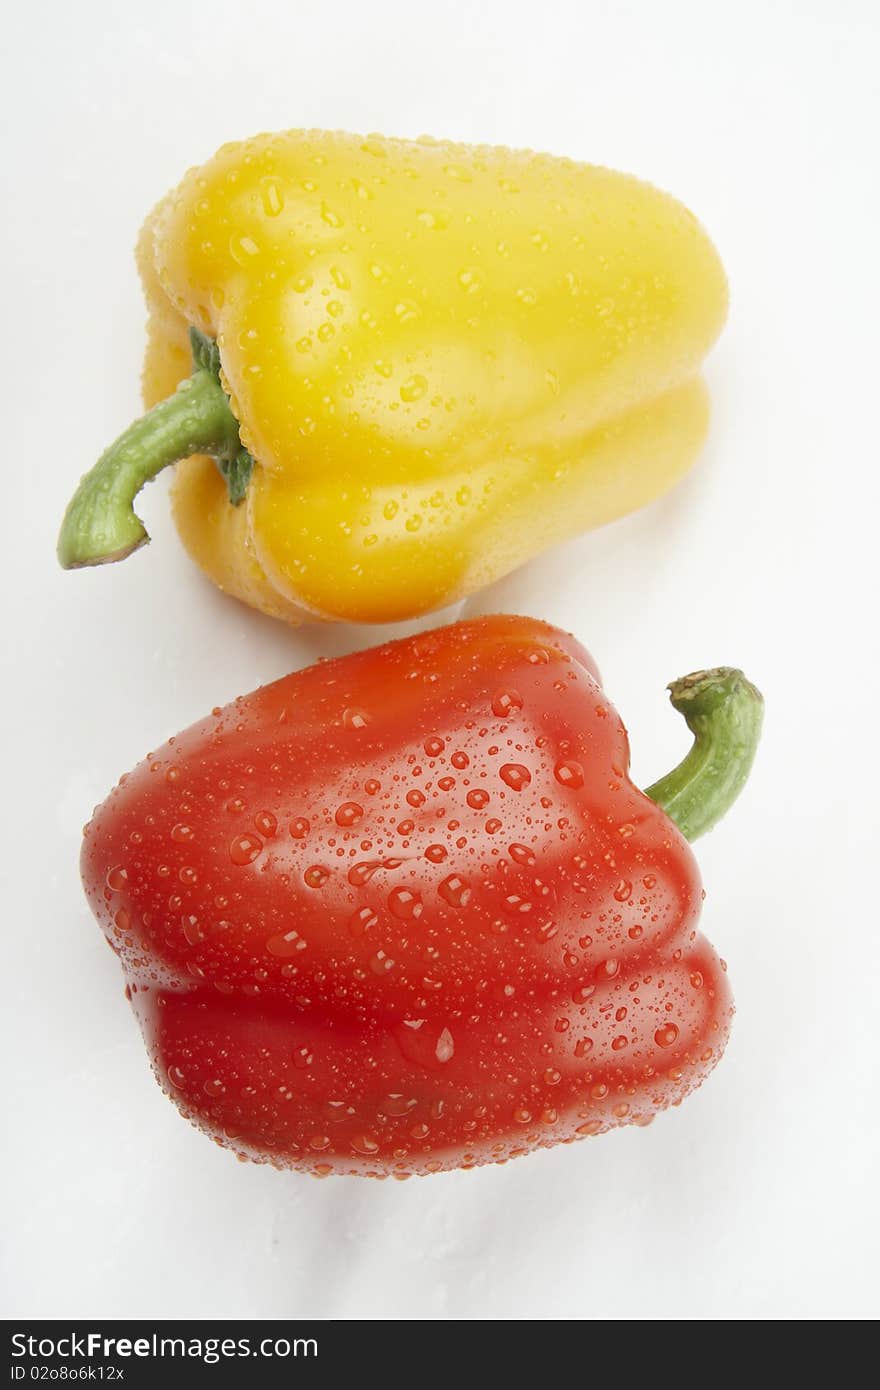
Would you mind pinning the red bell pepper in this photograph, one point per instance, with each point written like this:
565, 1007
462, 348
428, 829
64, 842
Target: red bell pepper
404, 911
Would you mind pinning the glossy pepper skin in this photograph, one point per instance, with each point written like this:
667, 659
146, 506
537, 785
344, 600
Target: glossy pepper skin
443, 359
404, 911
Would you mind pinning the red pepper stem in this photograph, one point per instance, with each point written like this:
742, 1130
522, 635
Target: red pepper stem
724, 712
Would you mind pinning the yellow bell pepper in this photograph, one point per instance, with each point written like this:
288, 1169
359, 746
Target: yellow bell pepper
439, 359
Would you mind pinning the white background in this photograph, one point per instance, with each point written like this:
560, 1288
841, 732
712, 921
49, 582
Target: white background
757, 1199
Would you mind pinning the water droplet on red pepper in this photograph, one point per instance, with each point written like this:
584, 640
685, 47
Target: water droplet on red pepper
455, 891
365, 1144
355, 718
515, 776
380, 963
396, 1106
521, 854
193, 930
361, 873
361, 921
244, 849
316, 876
505, 701
514, 904
404, 904
591, 1127
266, 824
569, 774
285, 944
336, 1111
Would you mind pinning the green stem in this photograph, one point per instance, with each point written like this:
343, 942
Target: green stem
724, 713
100, 524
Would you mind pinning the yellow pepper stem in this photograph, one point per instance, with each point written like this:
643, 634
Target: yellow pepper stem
100, 524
